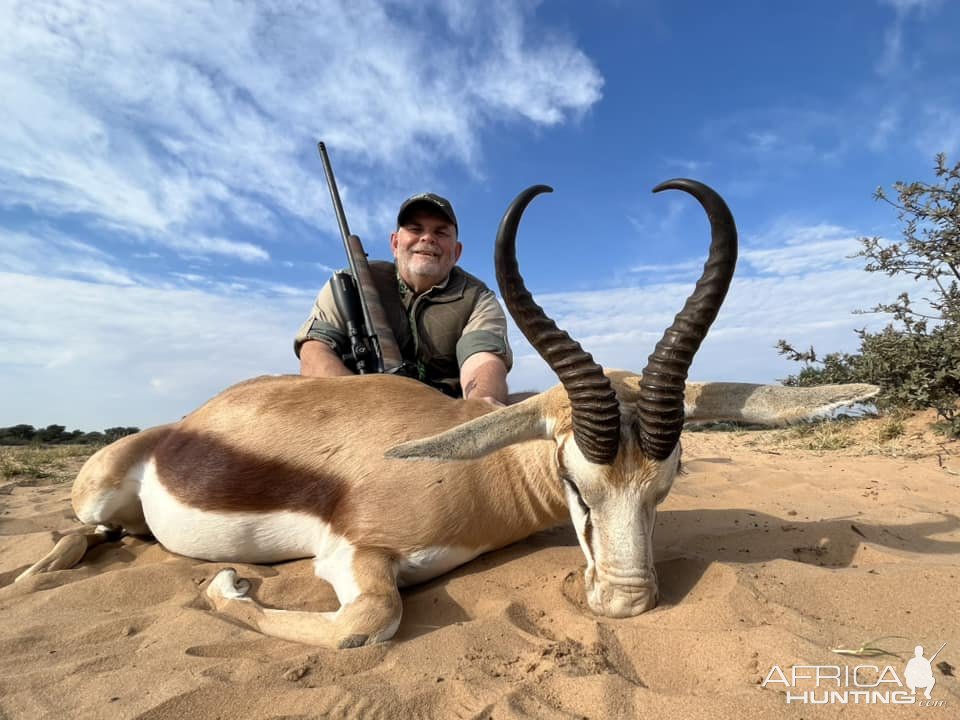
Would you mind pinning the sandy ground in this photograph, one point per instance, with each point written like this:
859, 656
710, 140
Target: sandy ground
769, 553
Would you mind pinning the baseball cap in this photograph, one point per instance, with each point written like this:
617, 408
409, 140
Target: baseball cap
431, 200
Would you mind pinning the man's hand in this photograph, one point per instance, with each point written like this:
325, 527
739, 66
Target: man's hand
317, 359
484, 377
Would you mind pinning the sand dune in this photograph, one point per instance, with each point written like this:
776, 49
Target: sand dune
767, 555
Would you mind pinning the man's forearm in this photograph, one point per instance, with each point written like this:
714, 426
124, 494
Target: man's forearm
484, 376
317, 359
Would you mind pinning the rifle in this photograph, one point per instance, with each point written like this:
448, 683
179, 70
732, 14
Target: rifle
373, 349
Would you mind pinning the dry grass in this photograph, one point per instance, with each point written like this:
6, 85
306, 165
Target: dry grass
898, 434
42, 464
893, 427
821, 436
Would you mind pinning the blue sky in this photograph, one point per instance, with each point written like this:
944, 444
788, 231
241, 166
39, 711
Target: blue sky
164, 222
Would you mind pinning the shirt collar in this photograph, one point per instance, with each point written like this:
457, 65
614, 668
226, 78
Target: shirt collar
407, 294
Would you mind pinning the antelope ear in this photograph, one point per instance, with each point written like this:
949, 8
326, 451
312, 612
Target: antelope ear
769, 404
481, 436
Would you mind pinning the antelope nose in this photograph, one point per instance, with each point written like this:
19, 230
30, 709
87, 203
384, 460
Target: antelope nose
628, 605
611, 601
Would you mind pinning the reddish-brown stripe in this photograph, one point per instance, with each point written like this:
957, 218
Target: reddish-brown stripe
204, 472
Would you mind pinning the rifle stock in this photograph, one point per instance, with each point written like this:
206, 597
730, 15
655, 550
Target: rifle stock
374, 314
378, 332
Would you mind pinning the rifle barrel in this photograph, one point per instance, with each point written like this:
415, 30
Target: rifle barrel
334, 193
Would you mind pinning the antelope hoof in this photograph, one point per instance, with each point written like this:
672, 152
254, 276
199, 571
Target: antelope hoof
353, 641
227, 586
68, 551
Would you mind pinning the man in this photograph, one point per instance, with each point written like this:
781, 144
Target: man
450, 328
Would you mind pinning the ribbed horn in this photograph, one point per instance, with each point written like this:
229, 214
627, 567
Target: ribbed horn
660, 406
596, 414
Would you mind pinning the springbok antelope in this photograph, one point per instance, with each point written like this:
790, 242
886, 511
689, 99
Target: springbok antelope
286, 467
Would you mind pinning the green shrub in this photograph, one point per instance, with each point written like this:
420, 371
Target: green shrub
916, 358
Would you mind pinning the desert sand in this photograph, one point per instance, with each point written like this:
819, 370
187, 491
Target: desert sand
768, 553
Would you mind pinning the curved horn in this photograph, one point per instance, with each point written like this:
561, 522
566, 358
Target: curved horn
596, 413
660, 405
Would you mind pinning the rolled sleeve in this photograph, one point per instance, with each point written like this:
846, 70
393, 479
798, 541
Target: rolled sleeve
485, 331
324, 324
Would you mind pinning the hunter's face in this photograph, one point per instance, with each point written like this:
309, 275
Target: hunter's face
426, 249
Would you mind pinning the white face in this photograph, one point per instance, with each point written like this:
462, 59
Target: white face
614, 511
426, 249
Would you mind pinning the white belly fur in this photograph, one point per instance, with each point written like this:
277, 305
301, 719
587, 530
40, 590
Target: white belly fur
432, 562
270, 537
232, 536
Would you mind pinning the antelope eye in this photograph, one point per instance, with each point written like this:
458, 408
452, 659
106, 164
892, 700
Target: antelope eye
576, 491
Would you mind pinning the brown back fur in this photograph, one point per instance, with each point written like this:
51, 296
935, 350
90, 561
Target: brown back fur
316, 446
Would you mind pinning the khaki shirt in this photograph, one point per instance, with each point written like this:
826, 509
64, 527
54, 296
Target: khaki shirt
436, 331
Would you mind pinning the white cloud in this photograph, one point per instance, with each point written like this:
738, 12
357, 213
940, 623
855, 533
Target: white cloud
689, 267
786, 249
90, 355
806, 293
789, 249
891, 56
940, 131
522, 80
185, 131
169, 123
202, 245
885, 125
661, 222
764, 140
621, 328
47, 252
189, 131
904, 6
783, 135
906, 105
892, 46
688, 166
